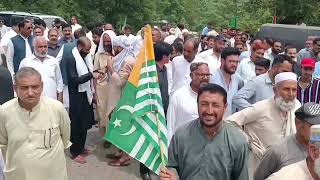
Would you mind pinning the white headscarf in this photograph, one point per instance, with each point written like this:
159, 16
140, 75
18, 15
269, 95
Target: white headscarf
129, 45
111, 34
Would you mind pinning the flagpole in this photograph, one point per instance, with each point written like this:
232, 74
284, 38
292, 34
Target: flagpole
152, 110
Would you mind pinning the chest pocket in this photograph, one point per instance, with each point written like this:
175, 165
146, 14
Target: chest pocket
52, 71
44, 139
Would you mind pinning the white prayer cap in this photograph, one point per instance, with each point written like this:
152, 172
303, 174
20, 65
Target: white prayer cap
315, 134
285, 76
212, 33
172, 31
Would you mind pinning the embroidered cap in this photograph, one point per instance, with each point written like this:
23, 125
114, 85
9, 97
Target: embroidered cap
309, 112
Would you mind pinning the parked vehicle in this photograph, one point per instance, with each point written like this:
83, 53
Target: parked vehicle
11, 17
292, 34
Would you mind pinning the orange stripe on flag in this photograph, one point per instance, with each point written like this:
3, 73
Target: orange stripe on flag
146, 54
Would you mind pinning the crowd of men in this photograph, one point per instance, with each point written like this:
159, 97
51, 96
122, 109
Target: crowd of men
237, 107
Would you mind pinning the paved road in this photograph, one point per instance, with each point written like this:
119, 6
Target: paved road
97, 168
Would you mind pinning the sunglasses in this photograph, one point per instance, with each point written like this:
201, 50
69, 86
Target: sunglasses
1, 21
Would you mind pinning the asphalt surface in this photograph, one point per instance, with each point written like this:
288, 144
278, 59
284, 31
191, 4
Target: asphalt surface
97, 167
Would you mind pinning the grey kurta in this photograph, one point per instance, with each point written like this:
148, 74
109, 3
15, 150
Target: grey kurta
196, 157
282, 154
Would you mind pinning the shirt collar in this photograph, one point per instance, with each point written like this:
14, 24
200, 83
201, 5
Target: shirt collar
34, 109
268, 80
312, 79
194, 94
23, 37
58, 45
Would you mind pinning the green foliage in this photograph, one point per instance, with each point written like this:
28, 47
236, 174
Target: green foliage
194, 13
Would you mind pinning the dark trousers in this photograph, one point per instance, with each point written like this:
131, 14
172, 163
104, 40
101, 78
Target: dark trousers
144, 169
78, 139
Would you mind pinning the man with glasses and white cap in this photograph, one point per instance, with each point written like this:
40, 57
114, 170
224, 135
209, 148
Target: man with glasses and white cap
270, 120
292, 149
309, 168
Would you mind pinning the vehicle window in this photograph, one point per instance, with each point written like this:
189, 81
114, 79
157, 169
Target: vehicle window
6, 18
16, 19
49, 22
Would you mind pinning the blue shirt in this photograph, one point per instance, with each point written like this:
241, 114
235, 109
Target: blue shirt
316, 72
256, 89
232, 88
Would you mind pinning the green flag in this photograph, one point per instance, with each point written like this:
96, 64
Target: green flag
138, 125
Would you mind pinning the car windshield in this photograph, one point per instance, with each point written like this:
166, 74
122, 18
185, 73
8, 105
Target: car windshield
48, 22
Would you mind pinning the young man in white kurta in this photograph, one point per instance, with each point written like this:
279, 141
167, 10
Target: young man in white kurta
50, 73
35, 141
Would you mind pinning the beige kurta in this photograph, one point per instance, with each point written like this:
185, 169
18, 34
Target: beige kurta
118, 81
264, 124
296, 171
100, 63
35, 141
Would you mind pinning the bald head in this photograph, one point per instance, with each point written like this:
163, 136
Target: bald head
84, 46
190, 49
40, 47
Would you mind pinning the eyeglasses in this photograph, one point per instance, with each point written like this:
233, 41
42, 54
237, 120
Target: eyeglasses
203, 75
1, 21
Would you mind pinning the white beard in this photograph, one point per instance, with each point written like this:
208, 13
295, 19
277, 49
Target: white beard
283, 105
317, 166
40, 55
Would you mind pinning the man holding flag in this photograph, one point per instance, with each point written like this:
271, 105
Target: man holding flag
208, 147
138, 125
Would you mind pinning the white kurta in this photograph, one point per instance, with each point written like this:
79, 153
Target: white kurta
181, 72
264, 124
183, 108
10, 53
6, 38
75, 27
35, 141
298, 171
211, 59
50, 74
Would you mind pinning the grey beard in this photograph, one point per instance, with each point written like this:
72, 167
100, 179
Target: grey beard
284, 106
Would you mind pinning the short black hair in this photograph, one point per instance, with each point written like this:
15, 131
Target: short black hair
178, 40
66, 25
229, 51
23, 23
316, 40
97, 31
79, 33
37, 27
263, 62
161, 49
180, 26
256, 38
279, 59
178, 47
215, 89
269, 41
211, 37
57, 21
203, 36
39, 22
289, 47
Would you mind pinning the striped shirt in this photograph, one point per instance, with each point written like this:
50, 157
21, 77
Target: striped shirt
311, 93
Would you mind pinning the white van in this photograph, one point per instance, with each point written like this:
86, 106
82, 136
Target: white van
11, 17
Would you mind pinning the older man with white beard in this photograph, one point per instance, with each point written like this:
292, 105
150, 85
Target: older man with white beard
309, 168
270, 120
47, 66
